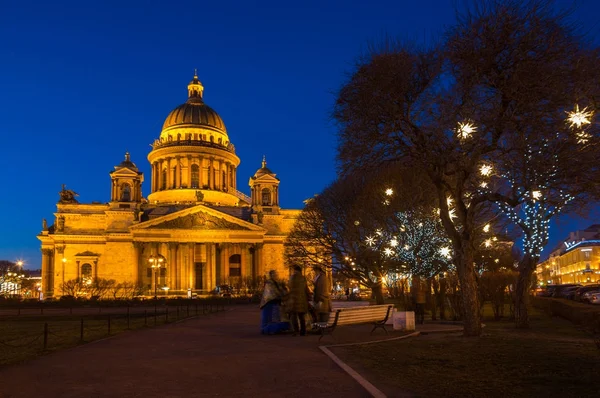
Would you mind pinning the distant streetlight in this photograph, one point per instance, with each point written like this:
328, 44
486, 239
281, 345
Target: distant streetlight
156, 263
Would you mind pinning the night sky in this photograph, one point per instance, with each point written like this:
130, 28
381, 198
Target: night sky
83, 82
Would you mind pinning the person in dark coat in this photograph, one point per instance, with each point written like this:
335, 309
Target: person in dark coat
321, 293
298, 300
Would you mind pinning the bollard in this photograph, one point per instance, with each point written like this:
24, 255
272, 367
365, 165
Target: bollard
81, 331
45, 335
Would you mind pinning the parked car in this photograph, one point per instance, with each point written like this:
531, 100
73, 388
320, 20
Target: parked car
587, 288
595, 298
561, 290
569, 292
585, 297
545, 291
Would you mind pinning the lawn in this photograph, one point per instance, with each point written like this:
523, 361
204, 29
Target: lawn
22, 336
551, 359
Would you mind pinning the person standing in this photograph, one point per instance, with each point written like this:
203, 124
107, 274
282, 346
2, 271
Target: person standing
321, 294
419, 299
270, 306
298, 300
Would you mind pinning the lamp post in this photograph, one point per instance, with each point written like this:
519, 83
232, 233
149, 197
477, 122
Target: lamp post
156, 262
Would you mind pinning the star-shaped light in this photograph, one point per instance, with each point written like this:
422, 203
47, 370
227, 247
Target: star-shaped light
445, 252
487, 243
388, 252
536, 195
486, 228
465, 130
483, 184
389, 192
406, 247
370, 241
394, 242
452, 214
578, 118
485, 170
379, 232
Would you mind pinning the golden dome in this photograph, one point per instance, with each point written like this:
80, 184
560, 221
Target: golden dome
194, 112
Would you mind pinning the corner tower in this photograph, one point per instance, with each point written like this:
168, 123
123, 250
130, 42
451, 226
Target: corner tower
126, 182
193, 159
264, 187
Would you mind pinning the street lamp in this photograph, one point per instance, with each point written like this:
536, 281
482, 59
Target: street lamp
156, 262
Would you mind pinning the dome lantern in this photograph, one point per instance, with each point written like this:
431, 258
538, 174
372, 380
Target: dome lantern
195, 88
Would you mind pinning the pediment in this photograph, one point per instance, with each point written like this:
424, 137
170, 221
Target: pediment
125, 172
199, 221
198, 218
86, 253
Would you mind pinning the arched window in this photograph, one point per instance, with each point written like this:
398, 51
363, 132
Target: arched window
195, 175
266, 197
125, 193
235, 265
86, 272
163, 177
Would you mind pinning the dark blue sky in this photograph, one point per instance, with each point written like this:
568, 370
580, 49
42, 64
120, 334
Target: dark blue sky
82, 82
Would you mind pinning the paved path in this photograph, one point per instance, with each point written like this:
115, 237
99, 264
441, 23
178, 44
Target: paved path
217, 355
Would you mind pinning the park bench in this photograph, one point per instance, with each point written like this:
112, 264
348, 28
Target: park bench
374, 314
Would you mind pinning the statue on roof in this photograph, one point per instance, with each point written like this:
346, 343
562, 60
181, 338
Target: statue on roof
67, 196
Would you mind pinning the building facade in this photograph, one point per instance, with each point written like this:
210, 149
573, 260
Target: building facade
194, 231
574, 260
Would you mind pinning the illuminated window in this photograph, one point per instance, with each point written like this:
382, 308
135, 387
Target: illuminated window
235, 265
86, 272
163, 184
266, 197
195, 175
125, 193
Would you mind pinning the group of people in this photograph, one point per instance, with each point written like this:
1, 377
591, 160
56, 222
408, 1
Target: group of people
294, 302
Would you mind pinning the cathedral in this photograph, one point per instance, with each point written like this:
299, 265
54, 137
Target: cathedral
194, 232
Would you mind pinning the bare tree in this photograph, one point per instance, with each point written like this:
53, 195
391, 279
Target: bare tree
505, 71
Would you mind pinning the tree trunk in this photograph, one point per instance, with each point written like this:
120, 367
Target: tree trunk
442, 298
431, 298
526, 267
377, 290
468, 290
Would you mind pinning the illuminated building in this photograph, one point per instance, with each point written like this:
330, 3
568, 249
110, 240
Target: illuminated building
574, 260
204, 231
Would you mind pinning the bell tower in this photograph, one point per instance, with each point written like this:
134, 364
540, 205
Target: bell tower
264, 186
126, 182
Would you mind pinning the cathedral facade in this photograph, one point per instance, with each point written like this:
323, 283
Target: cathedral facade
195, 231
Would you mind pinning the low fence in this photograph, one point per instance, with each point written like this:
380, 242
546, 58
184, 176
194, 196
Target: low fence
29, 332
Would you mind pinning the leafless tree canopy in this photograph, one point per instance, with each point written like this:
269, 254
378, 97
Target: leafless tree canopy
512, 70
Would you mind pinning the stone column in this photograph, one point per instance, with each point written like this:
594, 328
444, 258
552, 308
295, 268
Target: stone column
212, 273
160, 175
210, 174
260, 263
189, 171
138, 248
46, 272
172, 266
177, 172
200, 172
220, 174
169, 174
234, 177
191, 278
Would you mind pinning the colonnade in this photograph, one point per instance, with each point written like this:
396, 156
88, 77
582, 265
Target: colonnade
175, 178
197, 267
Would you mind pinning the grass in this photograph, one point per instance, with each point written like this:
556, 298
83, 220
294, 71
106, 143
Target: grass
552, 358
22, 336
